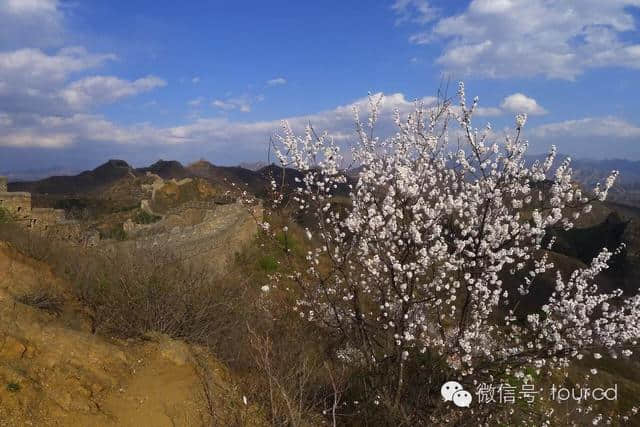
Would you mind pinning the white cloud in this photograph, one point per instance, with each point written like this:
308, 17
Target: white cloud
279, 81
520, 103
583, 137
232, 104
34, 23
33, 67
33, 130
31, 80
42, 94
609, 127
5, 119
242, 103
27, 138
245, 135
419, 11
507, 38
195, 80
194, 103
35, 80
29, 7
101, 89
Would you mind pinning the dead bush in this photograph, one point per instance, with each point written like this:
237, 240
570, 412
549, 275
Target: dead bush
293, 388
136, 292
33, 245
43, 299
223, 401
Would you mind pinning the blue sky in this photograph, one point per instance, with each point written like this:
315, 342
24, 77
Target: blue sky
81, 82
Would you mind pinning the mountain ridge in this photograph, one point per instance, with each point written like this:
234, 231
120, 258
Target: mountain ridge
255, 176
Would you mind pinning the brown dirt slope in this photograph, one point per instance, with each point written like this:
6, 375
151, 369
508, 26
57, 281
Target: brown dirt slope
54, 371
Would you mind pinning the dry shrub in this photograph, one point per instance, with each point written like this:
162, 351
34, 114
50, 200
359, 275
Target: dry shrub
295, 388
135, 292
283, 364
43, 299
223, 401
132, 292
34, 245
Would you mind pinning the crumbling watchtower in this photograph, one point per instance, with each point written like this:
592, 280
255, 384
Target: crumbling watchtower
17, 203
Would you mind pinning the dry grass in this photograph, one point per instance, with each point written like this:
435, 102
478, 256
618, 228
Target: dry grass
33, 244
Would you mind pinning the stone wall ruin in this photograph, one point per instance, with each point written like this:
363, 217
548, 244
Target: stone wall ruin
18, 205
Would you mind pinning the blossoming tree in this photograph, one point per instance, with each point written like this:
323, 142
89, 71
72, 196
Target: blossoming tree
446, 232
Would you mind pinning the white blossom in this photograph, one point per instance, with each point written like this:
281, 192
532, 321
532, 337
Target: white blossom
446, 233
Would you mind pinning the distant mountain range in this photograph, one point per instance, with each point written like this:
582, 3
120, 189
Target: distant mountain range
35, 174
589, 172
115, 170
255, 176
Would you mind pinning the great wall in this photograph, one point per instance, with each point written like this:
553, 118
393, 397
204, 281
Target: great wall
201, 231
19, 206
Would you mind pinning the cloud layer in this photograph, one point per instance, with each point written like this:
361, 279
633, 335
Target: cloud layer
522, 38
247, 140
242, 103
44, 100
30, 23
102, 89
31, 130
590, 137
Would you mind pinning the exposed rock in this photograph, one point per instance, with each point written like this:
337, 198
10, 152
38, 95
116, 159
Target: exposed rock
92, 238
128, 226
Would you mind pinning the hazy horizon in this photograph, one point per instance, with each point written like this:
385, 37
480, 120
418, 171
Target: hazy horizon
35, 173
